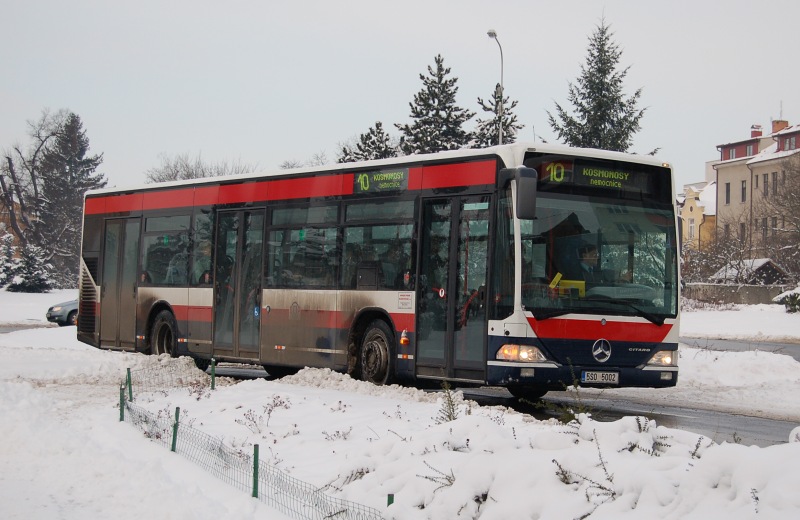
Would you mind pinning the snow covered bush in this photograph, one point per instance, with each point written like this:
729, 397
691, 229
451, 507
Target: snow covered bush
790, 299
7, 262
31, 272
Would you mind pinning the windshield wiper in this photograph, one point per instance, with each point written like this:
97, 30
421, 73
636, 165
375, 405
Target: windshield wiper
554, 313
649, 316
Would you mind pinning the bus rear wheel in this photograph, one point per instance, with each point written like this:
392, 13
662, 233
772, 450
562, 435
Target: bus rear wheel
377, 347
164, 334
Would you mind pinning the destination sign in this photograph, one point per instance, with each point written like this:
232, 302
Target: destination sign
567, 172
381, 181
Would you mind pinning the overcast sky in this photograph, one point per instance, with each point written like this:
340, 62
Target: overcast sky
263, 82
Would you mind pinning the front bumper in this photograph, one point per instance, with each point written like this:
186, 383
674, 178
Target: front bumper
555, 377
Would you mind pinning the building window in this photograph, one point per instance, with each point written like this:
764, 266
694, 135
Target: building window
749, 150
783, 177
742, 231
790, 143
691, 228
756, 184
764, 230
727, 193
774, 183
793, 142
727, 231
732, 153
766, 184
774, 226
744, 191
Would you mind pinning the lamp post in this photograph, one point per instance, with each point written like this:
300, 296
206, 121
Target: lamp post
493, 35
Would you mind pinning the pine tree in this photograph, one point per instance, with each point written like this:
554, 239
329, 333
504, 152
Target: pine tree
486, 132
66, 174
604, 118
374, 144
32, 273
7, 263
437, 120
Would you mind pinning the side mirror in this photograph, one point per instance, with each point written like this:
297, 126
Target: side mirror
526, 179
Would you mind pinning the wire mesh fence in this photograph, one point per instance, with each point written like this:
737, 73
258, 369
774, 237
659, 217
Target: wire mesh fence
238, 468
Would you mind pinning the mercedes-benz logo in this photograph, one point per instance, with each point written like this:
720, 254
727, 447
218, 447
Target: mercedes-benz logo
601, 350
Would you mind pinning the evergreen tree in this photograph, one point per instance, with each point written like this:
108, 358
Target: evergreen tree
7, 263
437, 120
604, 118
375, 144
66, 174
486, 133
31, 272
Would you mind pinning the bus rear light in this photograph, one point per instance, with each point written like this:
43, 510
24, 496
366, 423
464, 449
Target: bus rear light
404, 338
524, 353
664, 358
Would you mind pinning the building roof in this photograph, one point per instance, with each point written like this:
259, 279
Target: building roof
746, 270
708, 199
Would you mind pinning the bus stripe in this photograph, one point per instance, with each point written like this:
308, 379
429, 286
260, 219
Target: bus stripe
558, 328
428, 177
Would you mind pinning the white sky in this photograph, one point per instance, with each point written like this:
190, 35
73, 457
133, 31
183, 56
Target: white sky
264, 82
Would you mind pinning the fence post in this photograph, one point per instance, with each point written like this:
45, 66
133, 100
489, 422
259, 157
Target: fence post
255, 471
121, 403
213, 372
130, 386
175, 427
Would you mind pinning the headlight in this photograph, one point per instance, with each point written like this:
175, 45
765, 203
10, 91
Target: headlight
664, 358
56, 309
525, 353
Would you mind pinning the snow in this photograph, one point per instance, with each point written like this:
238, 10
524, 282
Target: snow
66, 455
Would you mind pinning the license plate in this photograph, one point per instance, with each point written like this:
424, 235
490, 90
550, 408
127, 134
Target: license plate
607, 378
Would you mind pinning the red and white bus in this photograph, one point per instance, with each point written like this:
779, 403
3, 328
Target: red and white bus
462, 266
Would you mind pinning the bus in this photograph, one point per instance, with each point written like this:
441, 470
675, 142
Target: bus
465, 266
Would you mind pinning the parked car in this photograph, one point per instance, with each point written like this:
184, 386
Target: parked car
64, 313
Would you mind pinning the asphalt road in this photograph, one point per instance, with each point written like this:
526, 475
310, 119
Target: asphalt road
790, 349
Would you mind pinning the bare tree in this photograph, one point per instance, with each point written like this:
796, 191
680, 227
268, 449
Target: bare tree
182, 167
21, 177
318, 159
782, 218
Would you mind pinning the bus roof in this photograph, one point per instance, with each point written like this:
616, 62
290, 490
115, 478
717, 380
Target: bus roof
511, 155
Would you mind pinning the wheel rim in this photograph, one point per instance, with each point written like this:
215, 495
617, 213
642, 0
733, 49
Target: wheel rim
376, 357
163, 343
73, 319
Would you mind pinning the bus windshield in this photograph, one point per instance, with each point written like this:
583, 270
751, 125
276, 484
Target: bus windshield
599, 256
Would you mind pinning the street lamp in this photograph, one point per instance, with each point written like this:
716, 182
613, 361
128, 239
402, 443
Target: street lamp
493, 34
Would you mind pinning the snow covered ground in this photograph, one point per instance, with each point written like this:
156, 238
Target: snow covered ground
66, 455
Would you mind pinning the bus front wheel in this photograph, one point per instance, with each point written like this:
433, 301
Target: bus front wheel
377, 363
164, 334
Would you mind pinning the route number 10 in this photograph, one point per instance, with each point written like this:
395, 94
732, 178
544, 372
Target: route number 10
556, 172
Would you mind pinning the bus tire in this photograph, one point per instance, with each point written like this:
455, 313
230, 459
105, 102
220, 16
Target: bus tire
377, 353
529, 393
202, 363
277, 371
164, 334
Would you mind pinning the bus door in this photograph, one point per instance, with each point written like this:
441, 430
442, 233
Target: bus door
451, 299
238, 263
118, 291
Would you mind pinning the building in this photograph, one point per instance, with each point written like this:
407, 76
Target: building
698, 212
749, 172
